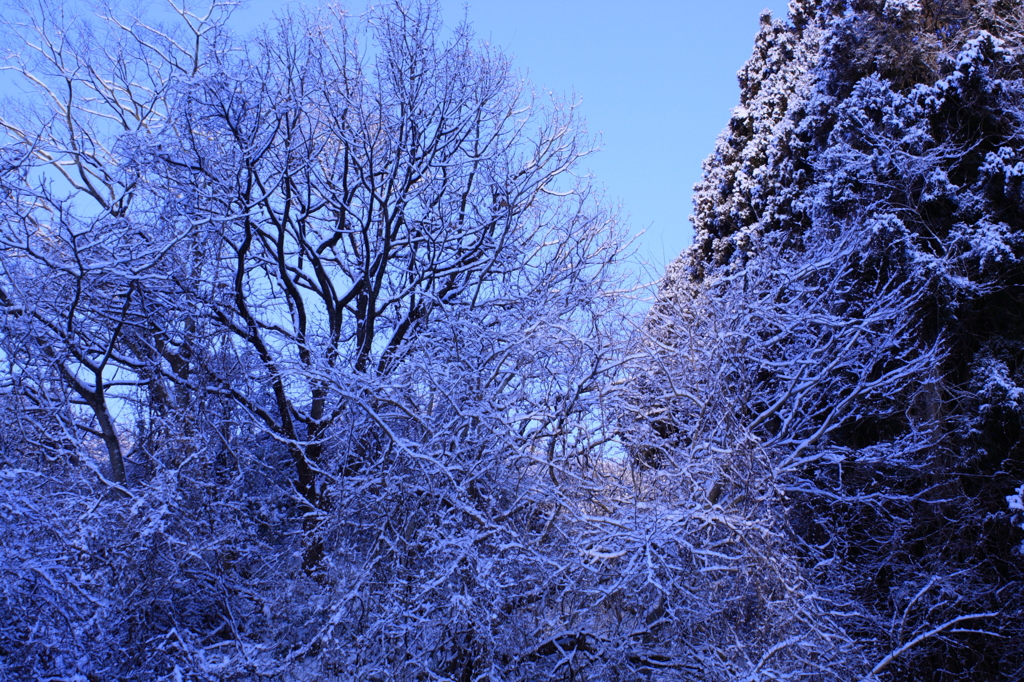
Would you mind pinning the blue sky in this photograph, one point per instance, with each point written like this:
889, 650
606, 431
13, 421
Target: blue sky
657, 79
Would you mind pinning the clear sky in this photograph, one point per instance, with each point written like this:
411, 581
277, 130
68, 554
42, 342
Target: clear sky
657, 79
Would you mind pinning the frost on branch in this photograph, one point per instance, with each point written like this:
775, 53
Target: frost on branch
838, 357
312, 347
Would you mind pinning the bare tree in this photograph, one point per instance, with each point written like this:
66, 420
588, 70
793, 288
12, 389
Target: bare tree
81, 236
355, 201
753, 379
343, 322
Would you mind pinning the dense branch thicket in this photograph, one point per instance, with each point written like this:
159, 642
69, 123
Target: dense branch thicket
835, 367
307, 349
316, 367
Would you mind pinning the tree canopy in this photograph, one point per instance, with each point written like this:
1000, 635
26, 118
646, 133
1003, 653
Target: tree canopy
318, 359
836, 361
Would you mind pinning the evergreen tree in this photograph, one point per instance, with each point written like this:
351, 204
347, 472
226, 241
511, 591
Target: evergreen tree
844, 337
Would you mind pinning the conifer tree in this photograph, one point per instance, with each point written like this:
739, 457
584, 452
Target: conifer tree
844, 338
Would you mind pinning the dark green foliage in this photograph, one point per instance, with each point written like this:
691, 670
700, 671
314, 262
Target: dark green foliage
895, 127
